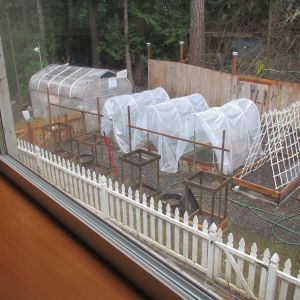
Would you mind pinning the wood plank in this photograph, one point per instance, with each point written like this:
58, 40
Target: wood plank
255, 187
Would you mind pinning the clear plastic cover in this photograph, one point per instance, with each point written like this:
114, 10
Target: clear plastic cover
74, 87
241, 121
168, 118
115, 113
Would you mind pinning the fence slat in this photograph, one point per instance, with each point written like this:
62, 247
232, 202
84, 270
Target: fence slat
272, 278
204, 245
168, 228
145, 217
124, 206
228, 264
195, 241
297, 289
160, 224
211, 250
137, 212
130, 209
176, 232
218, 255
252, 267
118, 207
240, 262
185, 246
283, 289
152, 221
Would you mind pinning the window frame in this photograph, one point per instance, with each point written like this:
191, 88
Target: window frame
141, 266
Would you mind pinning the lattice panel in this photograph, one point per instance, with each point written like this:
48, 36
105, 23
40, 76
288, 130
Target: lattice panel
278, 143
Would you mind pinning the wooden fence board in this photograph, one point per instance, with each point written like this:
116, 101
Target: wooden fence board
180, 79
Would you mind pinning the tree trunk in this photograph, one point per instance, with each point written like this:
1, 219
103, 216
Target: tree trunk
197, 32
94, 32
41, 19
272, 9
127, 50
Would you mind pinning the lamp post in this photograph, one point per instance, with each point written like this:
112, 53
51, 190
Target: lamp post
38, 50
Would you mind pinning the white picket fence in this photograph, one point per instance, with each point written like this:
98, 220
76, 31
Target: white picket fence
203, 249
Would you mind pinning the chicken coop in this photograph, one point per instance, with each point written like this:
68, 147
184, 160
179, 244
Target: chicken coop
74, 87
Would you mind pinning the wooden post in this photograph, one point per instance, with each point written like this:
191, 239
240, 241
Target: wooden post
181, 43
30, 134
234, 62
148, 50
222, 155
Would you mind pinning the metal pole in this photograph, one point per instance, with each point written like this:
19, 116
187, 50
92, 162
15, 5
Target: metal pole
100, 133
49, 106
234, 62
129, 136
181, 43
194, 151
178, 138
222, 155
40, 55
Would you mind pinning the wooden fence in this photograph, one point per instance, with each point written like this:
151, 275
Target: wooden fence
180, 79
201, 247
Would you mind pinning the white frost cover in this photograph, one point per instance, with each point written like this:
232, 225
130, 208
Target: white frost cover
115, 113
168, 118
241, 122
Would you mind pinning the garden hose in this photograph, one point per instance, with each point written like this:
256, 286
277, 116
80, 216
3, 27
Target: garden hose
277, 223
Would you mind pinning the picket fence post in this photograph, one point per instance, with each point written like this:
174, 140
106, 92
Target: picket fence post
38, 160
271, 280
212, 237
104, 197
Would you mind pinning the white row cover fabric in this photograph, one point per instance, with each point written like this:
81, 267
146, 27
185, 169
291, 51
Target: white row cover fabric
168, 118
115, 113
241, 121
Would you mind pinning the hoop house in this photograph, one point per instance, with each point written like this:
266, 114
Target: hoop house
74, 87
241, 122
168, 118
116, 115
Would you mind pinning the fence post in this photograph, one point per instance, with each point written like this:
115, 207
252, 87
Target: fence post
148, 50
271, 280
38, 160
234, 62
212, 237
181, 43
104, 197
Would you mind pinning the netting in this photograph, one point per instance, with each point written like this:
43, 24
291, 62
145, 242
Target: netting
115, 114
279, 141
74, 87
240, 120
168, 118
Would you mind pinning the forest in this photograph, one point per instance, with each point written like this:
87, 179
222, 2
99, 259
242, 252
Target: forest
113, 34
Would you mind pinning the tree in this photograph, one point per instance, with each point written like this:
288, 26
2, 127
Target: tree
197, 32
127, 49
94, 33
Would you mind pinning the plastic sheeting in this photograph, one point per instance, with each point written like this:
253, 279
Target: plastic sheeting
167, 118
241, 121
74, 87
115, 113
